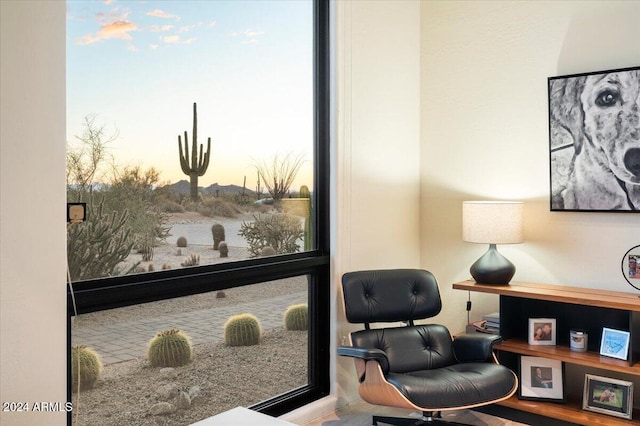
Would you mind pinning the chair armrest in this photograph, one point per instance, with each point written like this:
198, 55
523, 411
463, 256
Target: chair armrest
475, 347
366, 354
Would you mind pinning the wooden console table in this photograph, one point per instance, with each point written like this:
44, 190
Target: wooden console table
573, 307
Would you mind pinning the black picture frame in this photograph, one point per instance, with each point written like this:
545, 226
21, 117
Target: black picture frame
541, 379
608, 396
587, 114
630, 266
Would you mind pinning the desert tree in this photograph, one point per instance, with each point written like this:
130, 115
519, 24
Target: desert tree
121, 212
88, 159
278, 173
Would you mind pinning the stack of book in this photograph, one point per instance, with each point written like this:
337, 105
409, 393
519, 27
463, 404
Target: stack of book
489, 323
492, 322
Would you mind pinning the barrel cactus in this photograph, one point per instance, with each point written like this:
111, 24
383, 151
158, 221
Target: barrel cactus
182, 242
305, 193
90, 367
224, 249
217, 230
242, 330
147, 252
170, 348
296, 317
267, 251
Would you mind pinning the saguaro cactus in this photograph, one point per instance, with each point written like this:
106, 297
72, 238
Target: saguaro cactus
199, 160
305, 193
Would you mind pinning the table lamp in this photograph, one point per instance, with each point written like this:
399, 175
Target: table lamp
492, 222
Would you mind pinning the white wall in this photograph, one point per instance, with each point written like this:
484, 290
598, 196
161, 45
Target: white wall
485, 136
377, 147
33, 339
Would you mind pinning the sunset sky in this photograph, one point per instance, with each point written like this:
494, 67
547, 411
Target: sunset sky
140, 65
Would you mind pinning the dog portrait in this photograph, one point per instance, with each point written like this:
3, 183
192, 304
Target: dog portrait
594, 134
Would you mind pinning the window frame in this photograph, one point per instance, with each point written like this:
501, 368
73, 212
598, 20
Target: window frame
116, 292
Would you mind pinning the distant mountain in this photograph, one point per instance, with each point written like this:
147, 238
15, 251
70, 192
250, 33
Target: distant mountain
182, 187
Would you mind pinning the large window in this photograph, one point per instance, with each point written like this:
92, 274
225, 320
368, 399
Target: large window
184, 232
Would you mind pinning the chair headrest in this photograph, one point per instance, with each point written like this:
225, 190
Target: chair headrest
390, 295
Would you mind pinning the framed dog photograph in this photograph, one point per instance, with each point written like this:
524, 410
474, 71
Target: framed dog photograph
594, 141
541, 379
542, 331
608, 396
614, 343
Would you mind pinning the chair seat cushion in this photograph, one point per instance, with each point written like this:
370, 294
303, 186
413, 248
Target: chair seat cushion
455, 386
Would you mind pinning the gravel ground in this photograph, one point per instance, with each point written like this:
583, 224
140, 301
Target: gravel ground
219, 377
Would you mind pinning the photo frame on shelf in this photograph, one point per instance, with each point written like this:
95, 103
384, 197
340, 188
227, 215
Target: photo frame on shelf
541, 379
542, 331
631, 267
608, 396
615, 343
576, 103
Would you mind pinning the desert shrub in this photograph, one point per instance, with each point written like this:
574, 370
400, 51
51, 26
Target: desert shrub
242, 330
212, 207
296, 317
126, 216
170, 207
217, 231
90, 367
133, 188
192, 260
181, 242
280, 231
97, 246
190, 206
166, 194
169, 348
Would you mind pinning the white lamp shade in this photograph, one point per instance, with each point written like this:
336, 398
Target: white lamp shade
492, 222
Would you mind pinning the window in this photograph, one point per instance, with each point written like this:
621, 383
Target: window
253, 76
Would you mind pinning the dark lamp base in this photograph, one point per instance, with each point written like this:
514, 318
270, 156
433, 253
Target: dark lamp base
492, 268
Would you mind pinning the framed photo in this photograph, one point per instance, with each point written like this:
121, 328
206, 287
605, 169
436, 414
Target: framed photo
541, 379
631, 267
592, 145
608, 396
614, 343
542, 331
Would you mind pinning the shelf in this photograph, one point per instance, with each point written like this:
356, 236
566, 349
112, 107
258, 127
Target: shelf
573, 307
555, 293
562, 353
570, 412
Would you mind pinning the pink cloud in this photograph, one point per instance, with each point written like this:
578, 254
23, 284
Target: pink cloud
171, 39
162, 14
157, 29
112, 30
250, 33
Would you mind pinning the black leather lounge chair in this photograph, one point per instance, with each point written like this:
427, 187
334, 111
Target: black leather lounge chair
417, 366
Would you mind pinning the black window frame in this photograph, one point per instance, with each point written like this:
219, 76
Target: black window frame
115, 292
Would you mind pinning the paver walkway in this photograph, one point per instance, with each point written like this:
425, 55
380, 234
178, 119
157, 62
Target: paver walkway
128, 340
